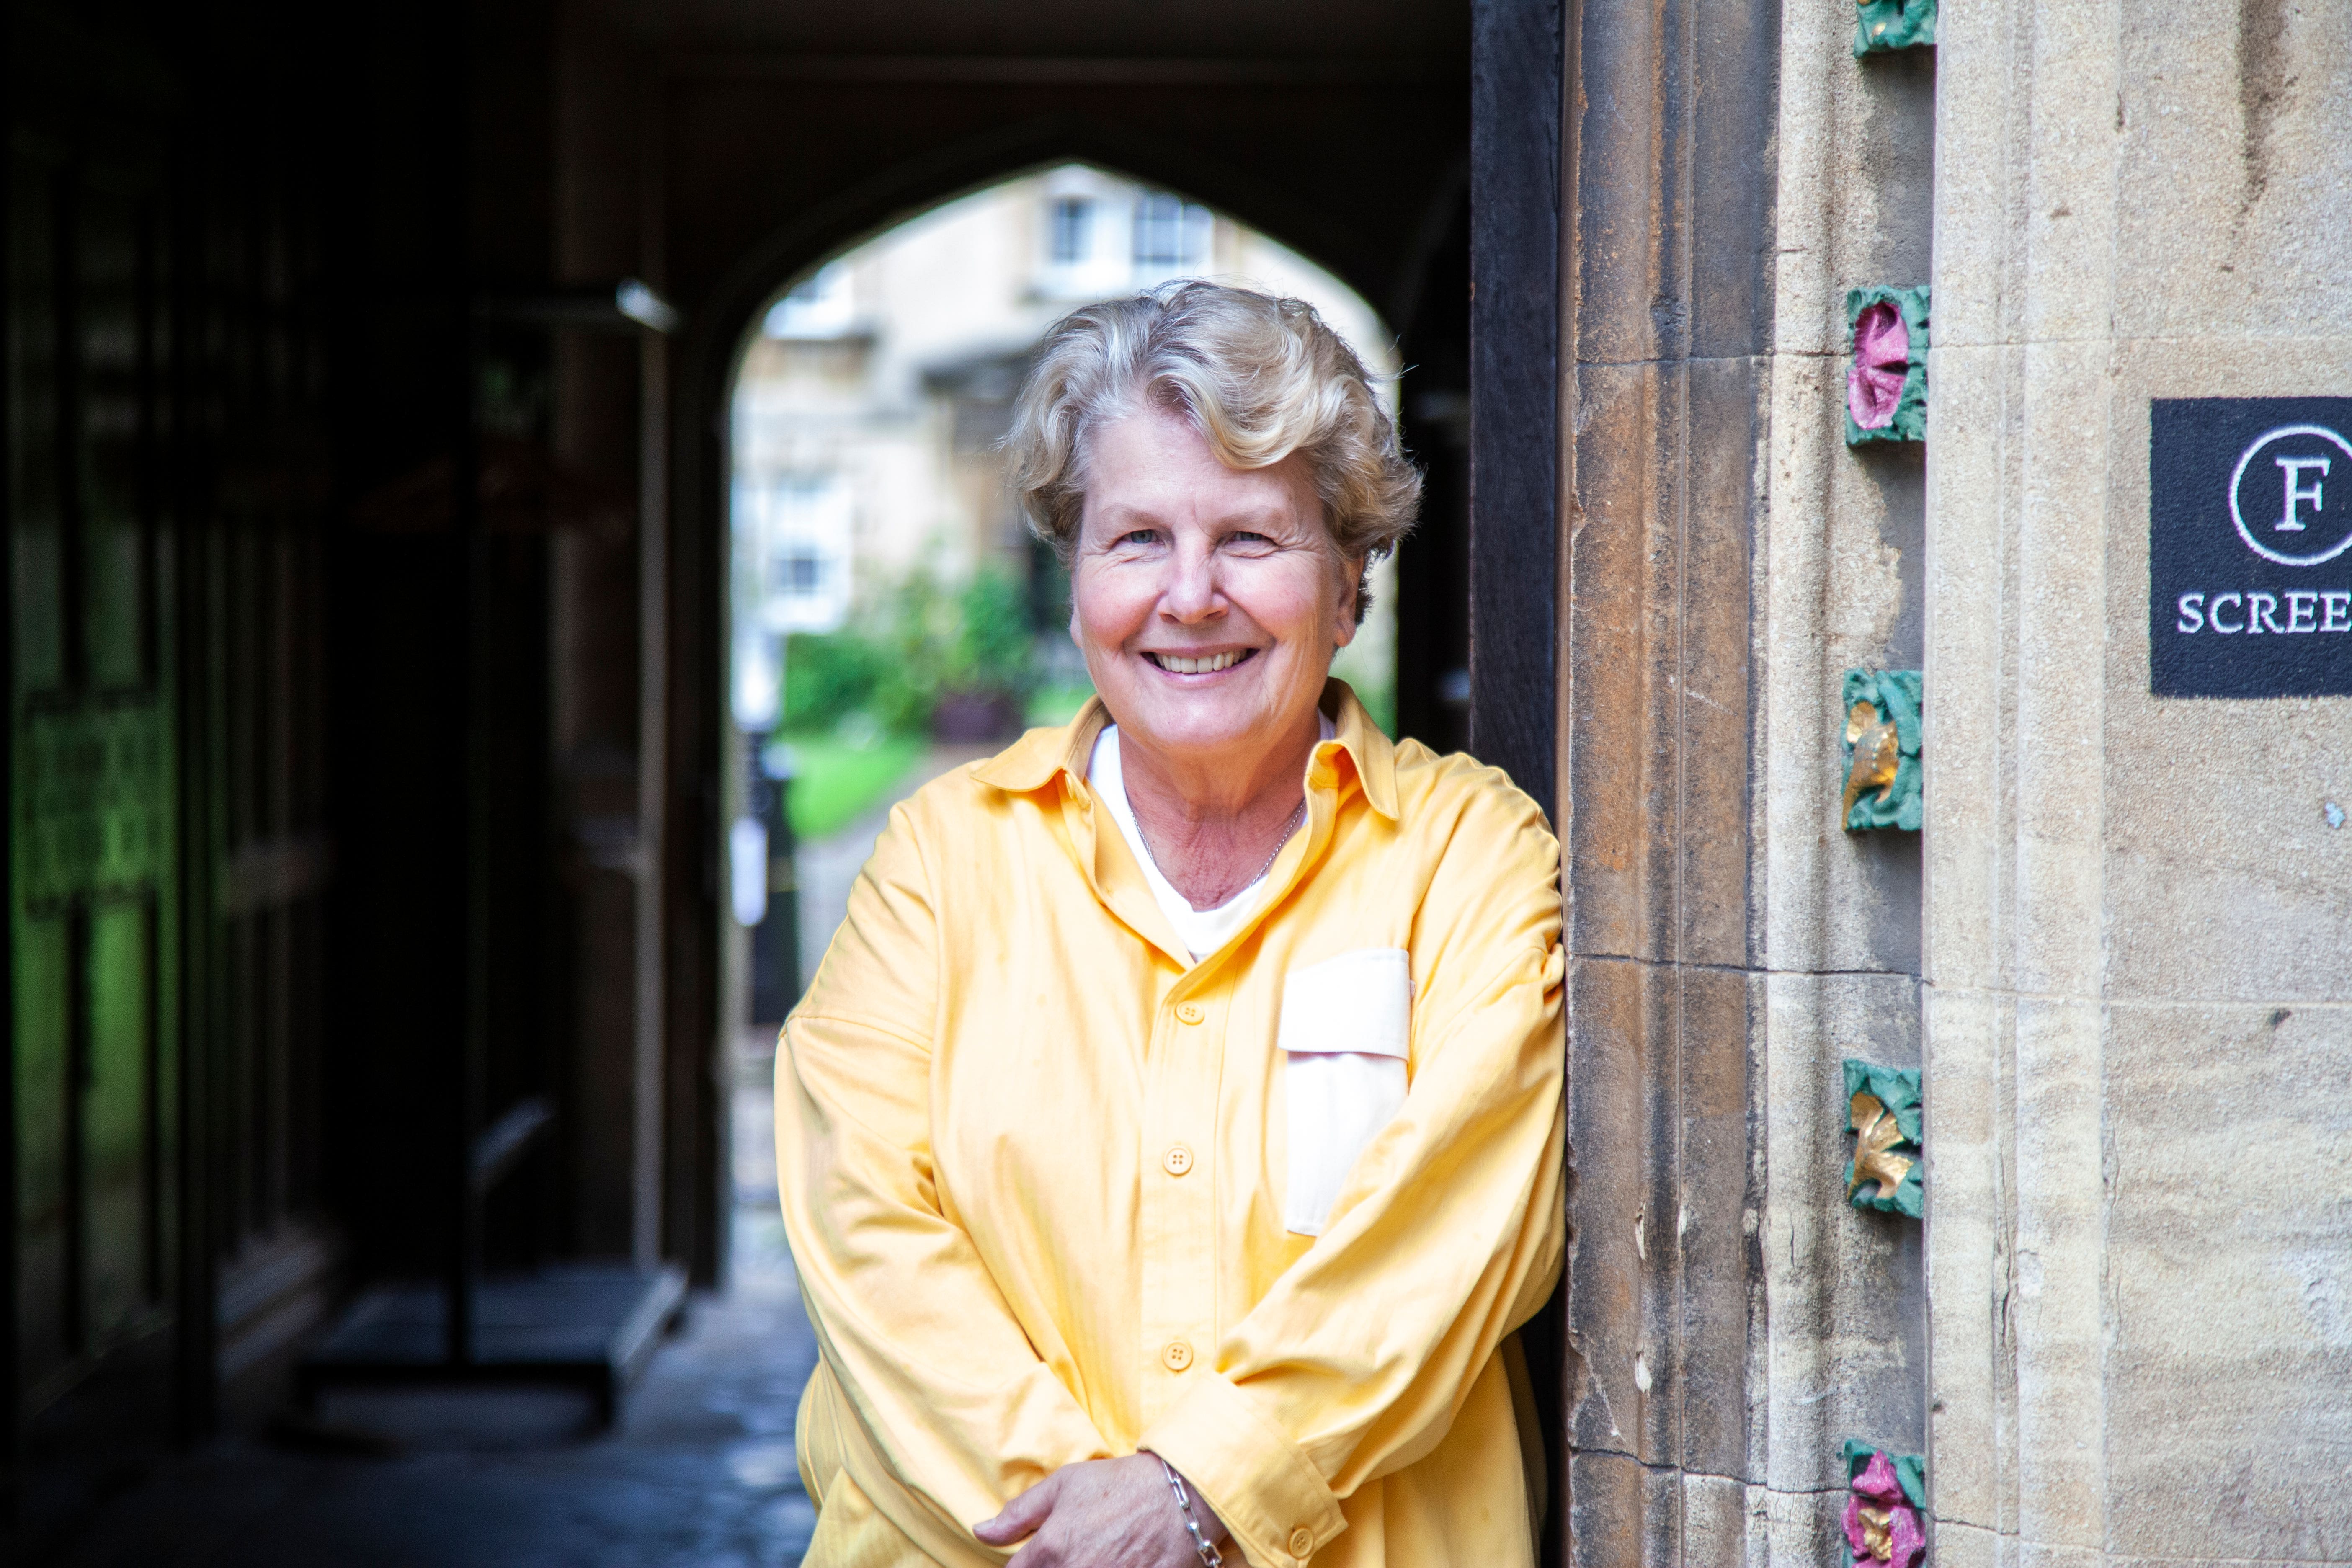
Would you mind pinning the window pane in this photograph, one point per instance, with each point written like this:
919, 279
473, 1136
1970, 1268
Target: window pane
1158, 230
1073, 220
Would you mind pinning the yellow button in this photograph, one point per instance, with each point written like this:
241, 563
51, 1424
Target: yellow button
1191, 1012
1178, 1160
1300, 1541
1178, 1355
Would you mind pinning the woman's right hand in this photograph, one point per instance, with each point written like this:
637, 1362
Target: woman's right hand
1103, 1513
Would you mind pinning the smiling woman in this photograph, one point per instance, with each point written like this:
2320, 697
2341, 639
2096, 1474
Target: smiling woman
1171, 1139
1217, 471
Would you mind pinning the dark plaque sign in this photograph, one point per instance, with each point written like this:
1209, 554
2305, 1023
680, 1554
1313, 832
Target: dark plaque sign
2249, 546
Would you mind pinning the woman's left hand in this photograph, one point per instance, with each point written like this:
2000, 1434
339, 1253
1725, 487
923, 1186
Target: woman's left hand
1102, 1513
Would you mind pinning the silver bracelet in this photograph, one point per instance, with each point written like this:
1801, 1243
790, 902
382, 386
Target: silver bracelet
1210, 1556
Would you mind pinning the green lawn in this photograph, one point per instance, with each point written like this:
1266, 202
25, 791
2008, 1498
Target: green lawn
833, 783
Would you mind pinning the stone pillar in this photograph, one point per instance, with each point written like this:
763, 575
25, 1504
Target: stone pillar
1737, 171
1670, 293
2138, 946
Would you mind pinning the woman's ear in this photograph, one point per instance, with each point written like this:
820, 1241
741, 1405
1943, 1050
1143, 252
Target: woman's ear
1351, 587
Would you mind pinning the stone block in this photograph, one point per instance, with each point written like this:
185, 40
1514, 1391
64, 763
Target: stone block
2230, 128
1832, 594
1707, 1232
1968, 1261
1620, 851
1952, 1545
1713, 1523
1731, 182
2055, 1310
1622, 1513
1612, 1058
1713, 679
1632, 304
1970, 618
2229, 1281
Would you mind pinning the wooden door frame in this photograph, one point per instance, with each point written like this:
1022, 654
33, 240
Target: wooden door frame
1521, 414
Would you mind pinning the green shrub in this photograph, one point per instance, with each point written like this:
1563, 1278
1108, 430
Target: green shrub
914, 641
827, 676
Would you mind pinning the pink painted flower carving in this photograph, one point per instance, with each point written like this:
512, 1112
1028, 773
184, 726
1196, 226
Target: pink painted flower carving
1882, 358
1881, 1525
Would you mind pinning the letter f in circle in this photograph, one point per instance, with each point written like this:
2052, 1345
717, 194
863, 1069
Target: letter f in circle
2290, 469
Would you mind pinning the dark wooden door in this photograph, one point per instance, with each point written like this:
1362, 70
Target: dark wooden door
93, 897
167, 486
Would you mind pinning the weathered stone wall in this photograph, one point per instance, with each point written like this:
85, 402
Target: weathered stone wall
2122, 948
2139, 922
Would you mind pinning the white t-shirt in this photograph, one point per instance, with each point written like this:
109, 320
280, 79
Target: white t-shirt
1202, 931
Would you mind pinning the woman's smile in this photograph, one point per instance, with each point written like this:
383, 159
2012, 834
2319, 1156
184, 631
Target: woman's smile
1200, 664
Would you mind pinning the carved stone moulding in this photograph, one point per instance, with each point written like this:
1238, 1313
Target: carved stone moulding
1885, 25
1883, 1114
1886, 382
1882, 750
1881, 1516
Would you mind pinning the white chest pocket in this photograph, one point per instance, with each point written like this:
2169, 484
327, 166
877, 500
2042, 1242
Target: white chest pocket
1346, 1027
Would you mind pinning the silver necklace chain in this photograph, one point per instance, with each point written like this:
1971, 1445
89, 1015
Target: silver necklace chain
1287, 829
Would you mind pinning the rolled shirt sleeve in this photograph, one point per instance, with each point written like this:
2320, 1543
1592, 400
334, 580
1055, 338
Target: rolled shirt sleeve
943, 1380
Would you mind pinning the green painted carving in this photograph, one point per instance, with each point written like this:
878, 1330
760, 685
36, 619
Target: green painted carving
1883, 1114
1886, 379
1885, 24
1882, 750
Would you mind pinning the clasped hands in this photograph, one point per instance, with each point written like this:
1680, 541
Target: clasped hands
1103, 1513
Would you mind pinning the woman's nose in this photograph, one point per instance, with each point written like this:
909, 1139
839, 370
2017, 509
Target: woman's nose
1191, 593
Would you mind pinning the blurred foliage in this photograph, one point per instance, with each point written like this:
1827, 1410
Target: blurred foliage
828, 676
1057, 704
1380, 706
917, 641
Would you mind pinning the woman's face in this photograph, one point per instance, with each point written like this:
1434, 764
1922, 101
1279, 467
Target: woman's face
1208, 601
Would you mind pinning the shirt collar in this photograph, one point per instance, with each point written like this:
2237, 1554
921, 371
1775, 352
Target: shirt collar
1041, 756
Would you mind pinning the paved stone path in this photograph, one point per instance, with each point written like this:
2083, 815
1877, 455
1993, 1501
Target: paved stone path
699, 1474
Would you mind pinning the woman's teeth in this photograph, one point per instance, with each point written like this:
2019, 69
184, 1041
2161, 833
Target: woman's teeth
1175, 665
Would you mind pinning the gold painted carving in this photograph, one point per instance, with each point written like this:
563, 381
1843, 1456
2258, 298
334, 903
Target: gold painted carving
1877, 1531
1876, 1135
1878, 756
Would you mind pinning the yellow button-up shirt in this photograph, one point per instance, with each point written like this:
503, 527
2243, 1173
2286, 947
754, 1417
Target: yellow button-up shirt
1033, 1164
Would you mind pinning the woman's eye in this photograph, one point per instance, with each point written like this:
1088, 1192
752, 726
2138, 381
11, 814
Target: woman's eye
1141, 536
1248, 541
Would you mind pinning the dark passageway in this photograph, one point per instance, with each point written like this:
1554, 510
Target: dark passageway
366, 403
698, 1472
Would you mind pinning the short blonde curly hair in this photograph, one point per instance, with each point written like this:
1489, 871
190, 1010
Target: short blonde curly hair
1259, 377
